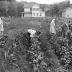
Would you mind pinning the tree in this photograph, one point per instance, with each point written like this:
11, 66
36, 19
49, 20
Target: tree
12, 10
54, 11
3, 8
3, 12
57, 9
19, 8
7, 0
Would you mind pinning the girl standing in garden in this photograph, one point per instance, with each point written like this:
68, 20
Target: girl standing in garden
1, 26
52, 27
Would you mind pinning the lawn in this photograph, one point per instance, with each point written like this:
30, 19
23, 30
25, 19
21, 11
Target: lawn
21, 24
18, 24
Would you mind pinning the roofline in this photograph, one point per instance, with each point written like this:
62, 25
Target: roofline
32, 5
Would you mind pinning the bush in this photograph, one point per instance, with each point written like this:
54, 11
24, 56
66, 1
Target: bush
45, 52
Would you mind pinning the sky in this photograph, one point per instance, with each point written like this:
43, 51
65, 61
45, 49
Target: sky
44, 1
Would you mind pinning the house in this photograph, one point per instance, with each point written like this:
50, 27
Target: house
32, 10
67, 13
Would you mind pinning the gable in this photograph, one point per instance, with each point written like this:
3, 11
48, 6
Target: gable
28, 5
35, 6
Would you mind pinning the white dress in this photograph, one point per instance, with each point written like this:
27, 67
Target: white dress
1, 25
52, 27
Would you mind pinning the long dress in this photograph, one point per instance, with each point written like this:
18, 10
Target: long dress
52, 27
1, 27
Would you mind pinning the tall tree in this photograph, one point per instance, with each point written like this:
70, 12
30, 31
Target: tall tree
19, 8
12, 11
7, 0
3, 8
57, 9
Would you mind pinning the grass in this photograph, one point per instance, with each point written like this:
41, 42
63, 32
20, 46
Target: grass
19, 24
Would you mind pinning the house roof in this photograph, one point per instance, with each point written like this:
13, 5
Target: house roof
29, 5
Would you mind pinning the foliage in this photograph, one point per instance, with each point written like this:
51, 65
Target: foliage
57, 9
54, 10
43, 53
10, 8
19, 9
23, 53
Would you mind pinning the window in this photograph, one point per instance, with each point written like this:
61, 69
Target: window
22, 14
67, 15
35, 9
40, 14
30, 9
37, 14
34, 14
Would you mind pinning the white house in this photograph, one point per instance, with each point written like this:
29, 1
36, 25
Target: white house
67, 13
32, 10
